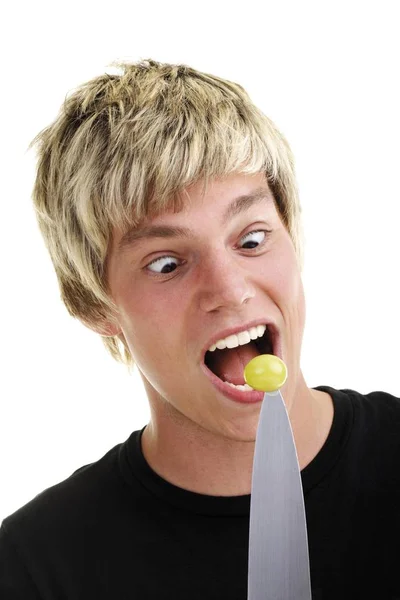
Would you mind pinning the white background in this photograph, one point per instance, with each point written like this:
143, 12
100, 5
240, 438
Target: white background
328, 75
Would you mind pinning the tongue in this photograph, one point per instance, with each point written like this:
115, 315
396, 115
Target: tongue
229, 364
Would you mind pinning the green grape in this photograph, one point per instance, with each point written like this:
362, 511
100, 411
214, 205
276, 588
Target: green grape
266, 373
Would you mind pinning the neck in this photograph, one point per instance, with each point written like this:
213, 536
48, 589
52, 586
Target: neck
198, 460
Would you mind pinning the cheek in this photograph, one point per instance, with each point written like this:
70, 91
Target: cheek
145, 307
284, 282
283, 275
152, 323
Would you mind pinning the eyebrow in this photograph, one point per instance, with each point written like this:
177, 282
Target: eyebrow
240, 204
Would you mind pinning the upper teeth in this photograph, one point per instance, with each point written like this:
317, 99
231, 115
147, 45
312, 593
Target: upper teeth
239, 339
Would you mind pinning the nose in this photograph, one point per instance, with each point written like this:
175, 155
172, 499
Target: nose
224, 284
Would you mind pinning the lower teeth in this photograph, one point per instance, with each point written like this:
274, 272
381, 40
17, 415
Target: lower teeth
243, 388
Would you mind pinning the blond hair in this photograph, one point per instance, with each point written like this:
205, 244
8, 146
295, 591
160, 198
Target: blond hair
124, 147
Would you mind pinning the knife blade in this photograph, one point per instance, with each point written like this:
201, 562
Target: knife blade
278, 545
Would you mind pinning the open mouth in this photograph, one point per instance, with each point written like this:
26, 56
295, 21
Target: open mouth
228, 363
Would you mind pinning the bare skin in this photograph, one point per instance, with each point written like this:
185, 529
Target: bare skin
197, 438
208, 465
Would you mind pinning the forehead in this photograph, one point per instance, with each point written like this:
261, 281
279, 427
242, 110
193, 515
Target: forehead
221, 191
223, 199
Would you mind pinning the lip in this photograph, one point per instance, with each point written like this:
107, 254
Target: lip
275, 337
239, 396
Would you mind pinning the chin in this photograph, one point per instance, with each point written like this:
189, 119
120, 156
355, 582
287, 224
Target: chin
240, 432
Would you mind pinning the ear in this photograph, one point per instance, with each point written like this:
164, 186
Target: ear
104, 328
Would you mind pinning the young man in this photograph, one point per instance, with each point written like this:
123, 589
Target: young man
169, 207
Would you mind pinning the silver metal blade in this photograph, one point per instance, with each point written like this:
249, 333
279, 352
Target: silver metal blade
278, 546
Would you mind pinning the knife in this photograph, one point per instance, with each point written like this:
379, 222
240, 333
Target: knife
278, 546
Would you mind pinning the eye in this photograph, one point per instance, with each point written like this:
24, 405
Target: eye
253, 239
164, 264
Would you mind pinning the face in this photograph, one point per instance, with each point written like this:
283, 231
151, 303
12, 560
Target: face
181, 282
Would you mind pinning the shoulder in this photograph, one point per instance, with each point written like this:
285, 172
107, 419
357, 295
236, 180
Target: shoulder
63, 505
85, 513
376, 406
369, 422
375, 428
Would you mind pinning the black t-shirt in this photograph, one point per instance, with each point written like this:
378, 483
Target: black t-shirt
115, 530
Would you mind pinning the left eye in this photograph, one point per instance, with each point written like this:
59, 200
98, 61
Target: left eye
253, 239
